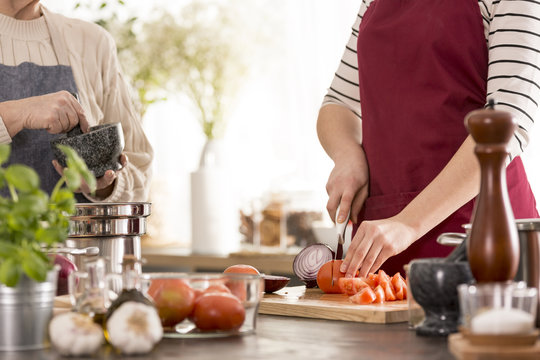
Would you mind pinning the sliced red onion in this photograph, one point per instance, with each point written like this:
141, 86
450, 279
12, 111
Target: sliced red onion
309, 260
274, 282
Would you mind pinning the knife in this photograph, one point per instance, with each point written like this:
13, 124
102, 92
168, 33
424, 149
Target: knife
340, 229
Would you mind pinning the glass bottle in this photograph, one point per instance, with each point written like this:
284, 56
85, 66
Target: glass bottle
91, 300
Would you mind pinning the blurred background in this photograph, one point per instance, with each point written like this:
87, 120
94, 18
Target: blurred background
247, 76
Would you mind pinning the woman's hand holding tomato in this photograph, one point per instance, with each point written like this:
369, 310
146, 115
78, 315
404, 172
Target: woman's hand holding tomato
374, 242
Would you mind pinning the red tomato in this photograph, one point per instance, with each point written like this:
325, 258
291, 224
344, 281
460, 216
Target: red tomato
174, 300
389, 294
351, 286
379, 295
365, 296
218, 311
324, 277
383, 277
242, 269
372, 280
400, 286
217, 288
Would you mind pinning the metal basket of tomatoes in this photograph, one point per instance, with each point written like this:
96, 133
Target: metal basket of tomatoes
199, 305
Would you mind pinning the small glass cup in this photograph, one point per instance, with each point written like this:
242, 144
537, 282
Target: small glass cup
497, 308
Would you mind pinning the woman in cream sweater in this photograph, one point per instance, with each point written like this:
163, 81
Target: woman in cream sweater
44, 59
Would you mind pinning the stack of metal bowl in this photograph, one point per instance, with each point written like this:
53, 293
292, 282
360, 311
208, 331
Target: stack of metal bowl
114, 228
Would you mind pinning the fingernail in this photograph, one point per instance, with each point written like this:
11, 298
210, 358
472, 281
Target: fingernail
340, 219
343, 267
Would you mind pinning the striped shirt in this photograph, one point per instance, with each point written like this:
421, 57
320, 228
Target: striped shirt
512, 31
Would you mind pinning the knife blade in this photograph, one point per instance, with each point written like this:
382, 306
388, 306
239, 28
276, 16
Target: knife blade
340, 229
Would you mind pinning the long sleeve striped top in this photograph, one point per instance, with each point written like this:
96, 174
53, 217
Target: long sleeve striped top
512, 31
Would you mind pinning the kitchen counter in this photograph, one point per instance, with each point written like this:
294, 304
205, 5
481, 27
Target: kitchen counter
279, 337
181, 259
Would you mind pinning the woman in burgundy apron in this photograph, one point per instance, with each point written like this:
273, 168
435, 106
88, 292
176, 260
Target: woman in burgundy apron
422, 68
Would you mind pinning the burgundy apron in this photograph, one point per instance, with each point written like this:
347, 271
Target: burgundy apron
422, 68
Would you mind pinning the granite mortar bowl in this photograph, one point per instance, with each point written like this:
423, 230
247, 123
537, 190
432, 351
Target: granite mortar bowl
433, 284
100, 147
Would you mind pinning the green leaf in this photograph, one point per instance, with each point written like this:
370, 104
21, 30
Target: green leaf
31, 205
34, 265
24, 178
90, 180
16, 223
5, 150
73, 159
73, 179
7, 250
64, 201
2, 178
10, 272
75, 162
51, 235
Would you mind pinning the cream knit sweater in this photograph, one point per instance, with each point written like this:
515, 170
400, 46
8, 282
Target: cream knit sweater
103, 93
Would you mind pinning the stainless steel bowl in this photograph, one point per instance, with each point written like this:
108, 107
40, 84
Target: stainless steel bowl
106, 226
86, 210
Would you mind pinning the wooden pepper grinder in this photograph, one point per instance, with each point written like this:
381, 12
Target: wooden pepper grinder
493, 245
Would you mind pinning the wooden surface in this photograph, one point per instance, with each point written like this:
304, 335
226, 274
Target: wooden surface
313, 303
464, 350
279, 337
181, 259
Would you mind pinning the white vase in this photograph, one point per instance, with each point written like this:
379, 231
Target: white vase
214, 217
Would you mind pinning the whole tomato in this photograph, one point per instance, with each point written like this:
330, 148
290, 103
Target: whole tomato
242, 269
238, 286
174, 300
218, 311
324, 277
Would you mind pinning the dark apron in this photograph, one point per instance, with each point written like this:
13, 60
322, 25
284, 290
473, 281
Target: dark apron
422, 68
31, 147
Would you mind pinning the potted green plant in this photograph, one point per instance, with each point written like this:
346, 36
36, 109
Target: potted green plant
31, 221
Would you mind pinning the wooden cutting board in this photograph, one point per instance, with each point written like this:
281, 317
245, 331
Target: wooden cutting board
313, 303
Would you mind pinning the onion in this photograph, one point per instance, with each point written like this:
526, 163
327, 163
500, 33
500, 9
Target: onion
274, 283
309, 260
66, 267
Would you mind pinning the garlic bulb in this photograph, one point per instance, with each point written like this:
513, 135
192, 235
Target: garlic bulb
134, 328
75, 334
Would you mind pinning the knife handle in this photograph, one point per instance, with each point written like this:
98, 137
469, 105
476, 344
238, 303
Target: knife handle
340, 227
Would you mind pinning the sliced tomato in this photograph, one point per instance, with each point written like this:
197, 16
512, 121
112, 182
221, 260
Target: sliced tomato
324, 277
389, 294
383, 277
379, 295
400, 286
372, 280
363, 297
351, 286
